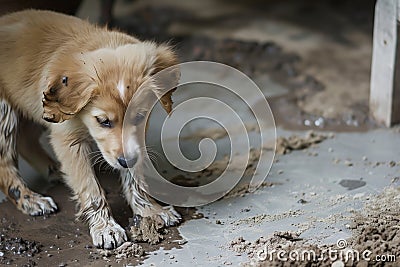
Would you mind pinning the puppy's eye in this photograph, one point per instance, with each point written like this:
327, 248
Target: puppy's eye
138, 118
104, 122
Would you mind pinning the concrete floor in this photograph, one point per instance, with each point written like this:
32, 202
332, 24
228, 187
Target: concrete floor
313, 191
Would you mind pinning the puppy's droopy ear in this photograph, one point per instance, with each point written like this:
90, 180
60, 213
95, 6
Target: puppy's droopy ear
65, 96
166, 73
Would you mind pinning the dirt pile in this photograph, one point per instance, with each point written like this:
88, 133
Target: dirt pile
125, 251
376, 233
261, 218
285, 248
376, 227
147, 229
294, 142
277, 240
263, 251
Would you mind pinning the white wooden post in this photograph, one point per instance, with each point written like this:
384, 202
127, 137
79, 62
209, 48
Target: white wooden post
385, 70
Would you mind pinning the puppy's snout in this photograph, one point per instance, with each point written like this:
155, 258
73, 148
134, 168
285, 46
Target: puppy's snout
127, 162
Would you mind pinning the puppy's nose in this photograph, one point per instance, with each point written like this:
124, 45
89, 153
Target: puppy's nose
127, 163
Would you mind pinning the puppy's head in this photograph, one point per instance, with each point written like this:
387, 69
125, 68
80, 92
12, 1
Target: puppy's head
96, 88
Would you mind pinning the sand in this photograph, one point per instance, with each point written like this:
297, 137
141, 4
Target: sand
375, 228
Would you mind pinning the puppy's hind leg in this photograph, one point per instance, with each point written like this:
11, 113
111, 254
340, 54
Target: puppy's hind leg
11, 183
32, 151
142, 204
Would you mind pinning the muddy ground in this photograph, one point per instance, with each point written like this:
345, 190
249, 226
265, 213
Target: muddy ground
60, 240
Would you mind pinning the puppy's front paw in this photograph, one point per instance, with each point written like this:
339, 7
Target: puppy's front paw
150, 226
36, 205
107, 234
170, 216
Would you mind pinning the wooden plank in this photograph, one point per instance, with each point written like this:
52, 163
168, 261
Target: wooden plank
396, 88
385, 69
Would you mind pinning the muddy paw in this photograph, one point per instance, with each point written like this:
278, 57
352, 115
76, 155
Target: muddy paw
167, 214
170, 216
151, 227
107, 234
36, 205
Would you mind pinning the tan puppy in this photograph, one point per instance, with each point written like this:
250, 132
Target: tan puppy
76, 79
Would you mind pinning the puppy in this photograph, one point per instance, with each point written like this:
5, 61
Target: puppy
77, 80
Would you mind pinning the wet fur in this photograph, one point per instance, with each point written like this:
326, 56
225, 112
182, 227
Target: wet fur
59, 71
